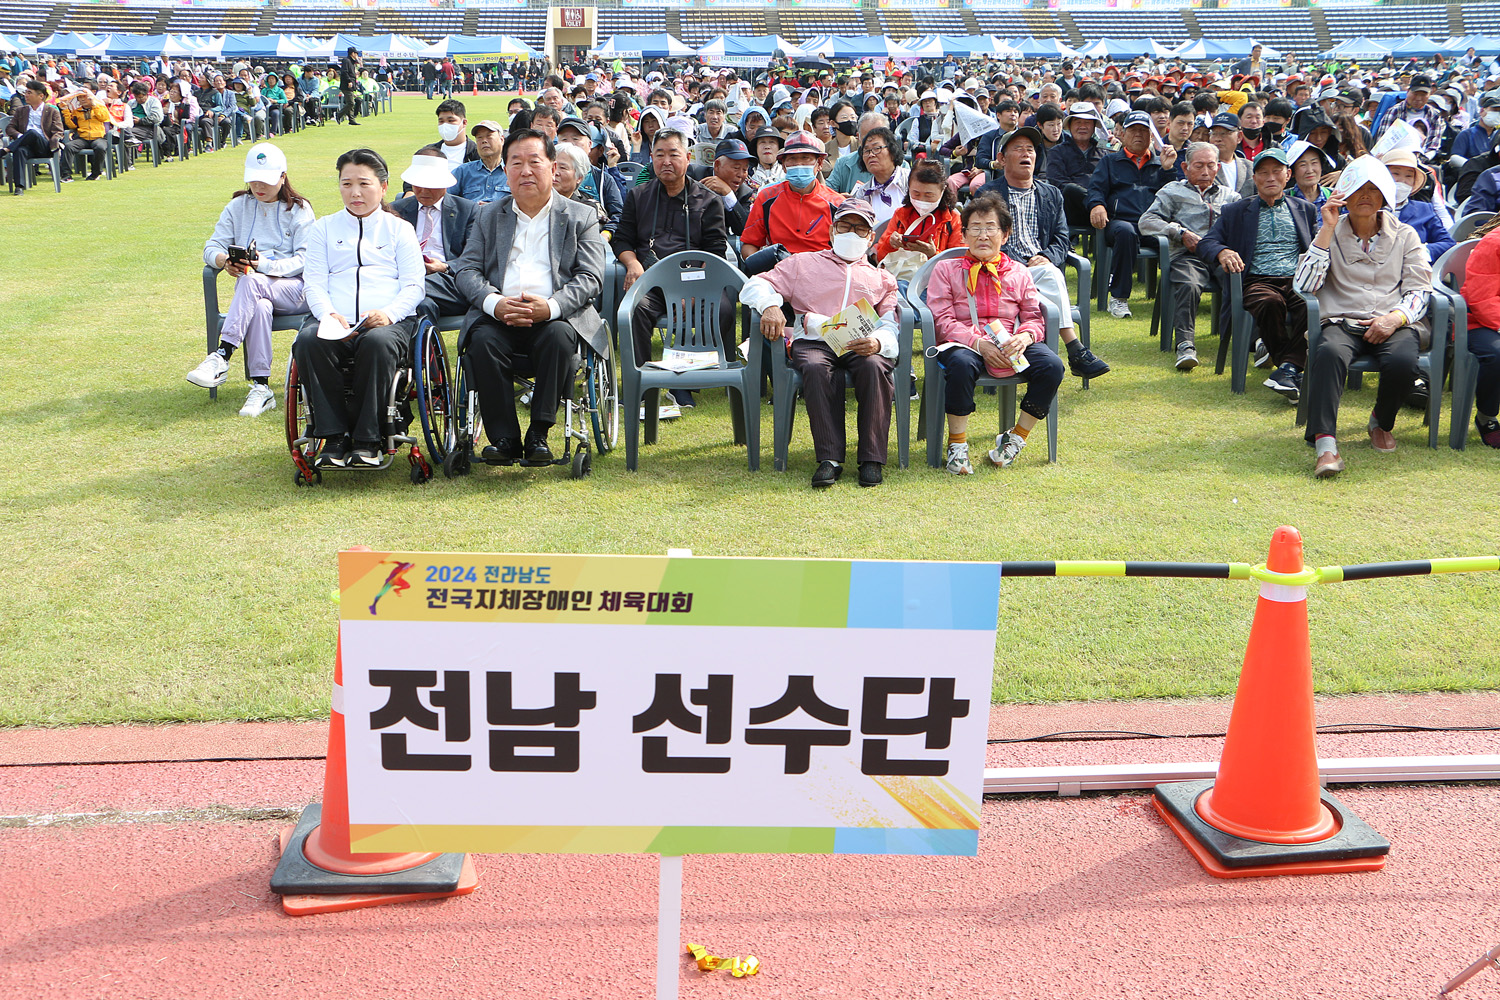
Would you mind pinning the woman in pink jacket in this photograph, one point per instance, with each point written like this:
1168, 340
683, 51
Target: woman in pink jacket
986, 307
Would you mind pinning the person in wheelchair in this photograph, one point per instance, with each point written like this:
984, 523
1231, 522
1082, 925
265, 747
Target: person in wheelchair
364, 280
531, 271
819, 285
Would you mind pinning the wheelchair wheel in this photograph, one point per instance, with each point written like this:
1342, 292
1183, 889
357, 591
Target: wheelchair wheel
299, 441
464, 428
604, 401
583, 463
434, 390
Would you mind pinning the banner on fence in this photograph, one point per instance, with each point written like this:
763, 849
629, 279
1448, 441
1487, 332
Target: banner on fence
623, 704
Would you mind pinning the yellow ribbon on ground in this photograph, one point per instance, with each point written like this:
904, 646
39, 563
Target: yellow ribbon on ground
738, 967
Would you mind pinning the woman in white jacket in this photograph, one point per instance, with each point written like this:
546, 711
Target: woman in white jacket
365, 279
273, 216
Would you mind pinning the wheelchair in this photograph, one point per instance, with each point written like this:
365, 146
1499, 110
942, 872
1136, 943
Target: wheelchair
591, 415
423, 386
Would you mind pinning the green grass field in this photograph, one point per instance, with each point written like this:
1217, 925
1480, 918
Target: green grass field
164, 567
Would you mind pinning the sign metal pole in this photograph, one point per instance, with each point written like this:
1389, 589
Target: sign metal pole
668, 926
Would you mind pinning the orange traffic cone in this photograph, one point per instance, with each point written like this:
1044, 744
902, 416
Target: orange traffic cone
1265, 813
318, 873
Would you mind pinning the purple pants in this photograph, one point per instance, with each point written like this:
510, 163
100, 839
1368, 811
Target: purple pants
256, 299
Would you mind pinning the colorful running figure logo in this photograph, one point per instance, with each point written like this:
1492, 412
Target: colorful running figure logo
395, 581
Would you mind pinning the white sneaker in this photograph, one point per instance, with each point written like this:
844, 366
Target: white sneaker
211, 372
260, 400
1119, 308
1007, 447
958, 459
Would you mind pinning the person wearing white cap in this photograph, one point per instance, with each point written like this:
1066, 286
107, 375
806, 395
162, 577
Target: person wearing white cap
442, 221
1373, 281
270, 219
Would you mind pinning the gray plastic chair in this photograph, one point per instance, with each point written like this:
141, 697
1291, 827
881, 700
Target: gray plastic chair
1464, 228
935, 379
1448, 278
214, 319
786, 383
1431, 361
692, 283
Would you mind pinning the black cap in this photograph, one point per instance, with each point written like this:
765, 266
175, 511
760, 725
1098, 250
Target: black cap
1420, 82
1225, 119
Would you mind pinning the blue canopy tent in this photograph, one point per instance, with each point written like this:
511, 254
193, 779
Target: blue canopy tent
1124, 48
1042, 48
65, 43
1359, 49
856, 47
1485, 45
262, 47
480, 48
747, 50
973, 45
1417, 45
137, 47
659, 46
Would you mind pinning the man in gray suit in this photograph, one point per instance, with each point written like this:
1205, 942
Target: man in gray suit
531, 269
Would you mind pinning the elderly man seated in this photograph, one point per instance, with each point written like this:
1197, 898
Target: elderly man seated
1123, 186
531, 269
727, 179
1263, 237
1184, 211
819, 285
441, 219
1373, 280
1039, 234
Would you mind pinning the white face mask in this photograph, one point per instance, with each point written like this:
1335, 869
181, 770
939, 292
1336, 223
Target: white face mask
850, 246
925, 207
449, 130
1492, 119
1403, 192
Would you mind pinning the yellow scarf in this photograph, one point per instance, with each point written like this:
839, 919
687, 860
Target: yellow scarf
978, 267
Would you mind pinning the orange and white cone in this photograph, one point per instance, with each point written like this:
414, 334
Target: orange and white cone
318, 873
1266, 813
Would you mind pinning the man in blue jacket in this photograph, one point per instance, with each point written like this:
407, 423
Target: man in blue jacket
1475, 140
1123, 186
1263, 237
1071, 163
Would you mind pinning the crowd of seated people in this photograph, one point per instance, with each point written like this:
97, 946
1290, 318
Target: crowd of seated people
827, 192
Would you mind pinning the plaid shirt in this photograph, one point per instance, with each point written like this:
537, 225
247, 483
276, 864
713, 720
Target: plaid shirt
1428, 115
1025, 238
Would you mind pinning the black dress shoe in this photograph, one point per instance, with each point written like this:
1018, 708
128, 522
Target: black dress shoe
537, 452
870, 474
827, 474
502, 452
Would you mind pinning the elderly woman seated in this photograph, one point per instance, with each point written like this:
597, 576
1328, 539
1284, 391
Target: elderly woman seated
1372, 278
986, 307
572, 168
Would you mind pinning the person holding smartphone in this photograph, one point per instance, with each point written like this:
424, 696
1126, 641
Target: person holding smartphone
365, 280
270, 215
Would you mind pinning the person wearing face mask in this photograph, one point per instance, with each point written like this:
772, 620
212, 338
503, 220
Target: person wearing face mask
272, 215
1276, 118
796, 213
845, 136
926, 221
1409, 177
987, 308
453, 122
1252, 127
1475, 140
816, 285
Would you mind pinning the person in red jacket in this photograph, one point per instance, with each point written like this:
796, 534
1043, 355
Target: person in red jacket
926, 221
1481, 289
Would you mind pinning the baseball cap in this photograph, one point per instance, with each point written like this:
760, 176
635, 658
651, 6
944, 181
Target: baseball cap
1491, 99
1226, 119
1024, 132
855, 207
732, 148
803, 142
1119, 107
1138, 118
577, 124
1420, 82
1271, 153
1082, 109
493, 126
428, 171
264, 163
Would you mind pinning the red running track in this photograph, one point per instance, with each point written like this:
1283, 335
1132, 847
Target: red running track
1088, 897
